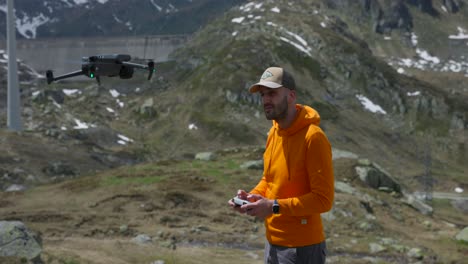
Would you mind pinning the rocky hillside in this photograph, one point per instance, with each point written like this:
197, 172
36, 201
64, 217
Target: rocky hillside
81, 18
398, 114
374, 101
176, 212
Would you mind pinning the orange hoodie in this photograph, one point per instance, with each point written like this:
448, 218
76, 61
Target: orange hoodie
298, 172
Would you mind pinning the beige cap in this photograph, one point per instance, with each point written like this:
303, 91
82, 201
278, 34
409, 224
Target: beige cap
274, 77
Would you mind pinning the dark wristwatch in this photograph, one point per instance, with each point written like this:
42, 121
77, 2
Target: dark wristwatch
276, 207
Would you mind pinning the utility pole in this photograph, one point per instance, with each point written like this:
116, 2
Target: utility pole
14, 111
429, 181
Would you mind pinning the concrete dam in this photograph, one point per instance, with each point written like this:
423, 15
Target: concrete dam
64, 54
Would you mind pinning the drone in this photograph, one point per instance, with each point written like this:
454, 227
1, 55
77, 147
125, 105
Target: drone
105, 65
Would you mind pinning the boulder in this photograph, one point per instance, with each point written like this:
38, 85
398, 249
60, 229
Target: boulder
338, 154
462, 235
415, 253
343, 187
418, 204
59, 168
205, 156
142, 239
374, 176
16, 240
147, 108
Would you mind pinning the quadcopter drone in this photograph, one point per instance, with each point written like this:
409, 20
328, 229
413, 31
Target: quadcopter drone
105, 65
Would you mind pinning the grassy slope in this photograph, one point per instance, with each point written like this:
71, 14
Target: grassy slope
183, 203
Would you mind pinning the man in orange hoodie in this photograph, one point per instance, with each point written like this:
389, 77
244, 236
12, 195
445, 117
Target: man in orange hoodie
297, 183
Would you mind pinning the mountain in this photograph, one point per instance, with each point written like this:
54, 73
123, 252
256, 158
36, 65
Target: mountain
395, 93
73, 18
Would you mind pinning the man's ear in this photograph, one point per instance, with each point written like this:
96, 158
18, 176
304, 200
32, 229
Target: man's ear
292, 95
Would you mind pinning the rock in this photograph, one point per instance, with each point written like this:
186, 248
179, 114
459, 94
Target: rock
427, 224
329, 216
101, 136
42, 96
462, 235
59, 168
374, 176
231, 96
15, 188
205, 156
344, 188
142, 239
418, 204
252, 165
252, 255
366, 226
376, 248
18, 241
147, 108
338, 154
123, 229
415, 253
364, 162
388, 241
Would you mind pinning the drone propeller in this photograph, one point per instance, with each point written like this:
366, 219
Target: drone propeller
149, 67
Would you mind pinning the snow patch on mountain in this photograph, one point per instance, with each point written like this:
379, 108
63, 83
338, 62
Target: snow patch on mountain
462, 34
426, 61
27, 26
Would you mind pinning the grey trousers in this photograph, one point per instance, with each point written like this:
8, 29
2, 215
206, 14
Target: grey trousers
313, 254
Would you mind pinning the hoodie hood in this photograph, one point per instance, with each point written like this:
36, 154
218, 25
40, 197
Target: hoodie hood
306, 115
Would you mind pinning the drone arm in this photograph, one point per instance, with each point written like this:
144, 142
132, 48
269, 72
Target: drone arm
51, 78
135, 65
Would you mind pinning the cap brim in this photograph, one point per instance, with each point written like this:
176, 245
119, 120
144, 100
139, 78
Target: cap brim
254, 88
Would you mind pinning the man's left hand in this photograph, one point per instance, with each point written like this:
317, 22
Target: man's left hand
261, 208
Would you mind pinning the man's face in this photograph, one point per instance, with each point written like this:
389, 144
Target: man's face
275, 102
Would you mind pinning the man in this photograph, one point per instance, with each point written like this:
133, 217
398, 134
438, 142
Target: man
297, 183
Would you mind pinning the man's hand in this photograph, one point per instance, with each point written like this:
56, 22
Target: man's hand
260, 206
260, 209
242, 195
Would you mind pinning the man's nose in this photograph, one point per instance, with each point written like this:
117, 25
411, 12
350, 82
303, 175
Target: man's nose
266, 99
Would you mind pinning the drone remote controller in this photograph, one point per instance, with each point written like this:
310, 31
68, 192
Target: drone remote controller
238, 201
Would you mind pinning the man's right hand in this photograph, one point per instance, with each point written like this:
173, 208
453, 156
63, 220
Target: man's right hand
242, 195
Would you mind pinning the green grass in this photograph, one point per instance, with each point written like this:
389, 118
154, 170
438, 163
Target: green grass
116, 180
154, 173
443, 207
217, 170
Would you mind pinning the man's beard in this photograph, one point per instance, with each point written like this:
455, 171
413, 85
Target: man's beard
277, 112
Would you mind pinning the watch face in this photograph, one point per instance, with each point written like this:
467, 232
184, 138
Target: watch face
275, 208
